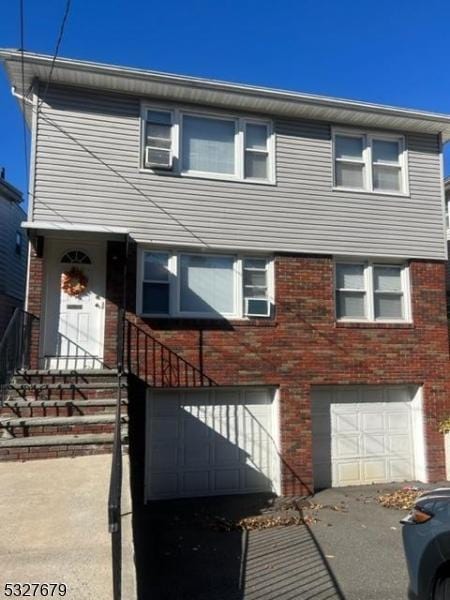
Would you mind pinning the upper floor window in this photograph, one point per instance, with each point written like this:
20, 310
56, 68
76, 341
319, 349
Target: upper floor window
369, 291
18, 243
205, 145
184, 284
369, 162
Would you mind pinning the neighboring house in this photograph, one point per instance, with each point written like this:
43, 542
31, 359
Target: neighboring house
281, 260
447, 223
13, 251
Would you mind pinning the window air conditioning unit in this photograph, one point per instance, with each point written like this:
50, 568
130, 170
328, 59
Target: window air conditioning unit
158, 158
257, 307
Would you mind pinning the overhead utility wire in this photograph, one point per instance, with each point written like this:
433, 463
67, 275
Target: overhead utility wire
55, 55
22, 65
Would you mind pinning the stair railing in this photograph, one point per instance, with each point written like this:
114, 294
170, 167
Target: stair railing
156, 364
115, 482
16, 347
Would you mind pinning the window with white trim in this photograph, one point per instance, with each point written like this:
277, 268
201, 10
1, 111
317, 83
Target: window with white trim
185, 284
369, 162
372, 291
158, 139
208, 145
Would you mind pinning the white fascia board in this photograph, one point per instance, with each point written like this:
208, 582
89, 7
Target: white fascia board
47, 225
214, 92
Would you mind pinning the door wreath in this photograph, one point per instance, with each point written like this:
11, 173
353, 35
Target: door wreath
74, 282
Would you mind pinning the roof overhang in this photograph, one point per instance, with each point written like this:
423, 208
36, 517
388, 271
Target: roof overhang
73, 228
235, 96
10, 192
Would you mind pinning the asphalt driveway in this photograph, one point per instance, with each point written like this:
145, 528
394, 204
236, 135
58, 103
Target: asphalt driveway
351, 550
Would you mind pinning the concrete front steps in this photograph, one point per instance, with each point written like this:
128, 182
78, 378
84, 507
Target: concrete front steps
51, 413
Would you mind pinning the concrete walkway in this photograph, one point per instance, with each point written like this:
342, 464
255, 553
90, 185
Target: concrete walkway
53, 526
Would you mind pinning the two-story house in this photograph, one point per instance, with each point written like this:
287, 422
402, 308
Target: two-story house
280, 258
13, 251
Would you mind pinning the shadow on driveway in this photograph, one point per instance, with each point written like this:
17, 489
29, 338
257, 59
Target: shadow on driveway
181, 554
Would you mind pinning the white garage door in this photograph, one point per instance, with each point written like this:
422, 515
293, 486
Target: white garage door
211, 442
364, 435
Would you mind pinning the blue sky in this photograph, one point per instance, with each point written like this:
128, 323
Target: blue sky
389, 51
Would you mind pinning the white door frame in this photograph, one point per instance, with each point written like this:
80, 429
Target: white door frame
55, 248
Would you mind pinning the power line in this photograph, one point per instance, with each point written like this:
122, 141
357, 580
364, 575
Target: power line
22, 44
55, 55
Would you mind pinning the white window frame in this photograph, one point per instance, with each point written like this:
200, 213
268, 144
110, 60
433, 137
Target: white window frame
156, 281
367, 160
144, 136
239, 147
369, 265
174, 285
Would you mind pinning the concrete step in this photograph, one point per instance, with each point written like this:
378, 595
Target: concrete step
59, 440
65, 372
60, 421
22, 387
25, 408
21, 403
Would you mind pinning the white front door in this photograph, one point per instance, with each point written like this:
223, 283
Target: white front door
74, 322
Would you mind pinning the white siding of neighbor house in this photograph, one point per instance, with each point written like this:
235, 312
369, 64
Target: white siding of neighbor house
87, 171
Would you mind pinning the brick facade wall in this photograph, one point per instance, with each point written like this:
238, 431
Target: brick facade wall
303, 346
35, 293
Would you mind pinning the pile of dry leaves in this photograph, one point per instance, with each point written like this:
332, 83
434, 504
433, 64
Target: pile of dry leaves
403, 499
287, 512
260, 522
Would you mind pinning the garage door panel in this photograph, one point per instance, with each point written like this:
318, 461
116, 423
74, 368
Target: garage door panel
195, 429
164, 456
398, 421
345, 446
226, 453
400, 469
167, 407
372, 421
347, 472
399, 445
362, 435
165, 484
165, 430
196, 455
254, 480
345, 423
225, 480
221, 441
374, 444
375, 470
194, 482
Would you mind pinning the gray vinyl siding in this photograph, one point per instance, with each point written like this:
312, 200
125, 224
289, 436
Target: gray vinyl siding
12, 266
87, 171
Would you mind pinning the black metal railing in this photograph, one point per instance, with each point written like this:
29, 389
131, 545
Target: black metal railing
115, 482
156, 364
16, 346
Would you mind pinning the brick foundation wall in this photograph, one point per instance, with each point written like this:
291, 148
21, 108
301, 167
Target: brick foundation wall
303, 346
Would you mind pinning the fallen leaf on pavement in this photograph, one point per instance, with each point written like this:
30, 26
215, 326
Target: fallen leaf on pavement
403, 499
